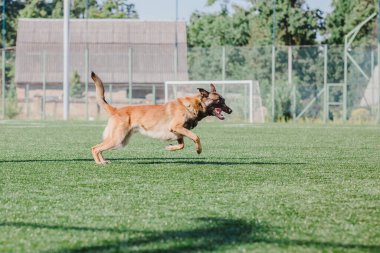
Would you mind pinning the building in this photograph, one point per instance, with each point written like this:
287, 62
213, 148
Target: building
144, 54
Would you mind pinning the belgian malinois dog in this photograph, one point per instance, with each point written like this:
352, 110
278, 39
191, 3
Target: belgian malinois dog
169, 121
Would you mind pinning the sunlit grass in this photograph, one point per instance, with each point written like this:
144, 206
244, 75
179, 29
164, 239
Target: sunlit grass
263, 188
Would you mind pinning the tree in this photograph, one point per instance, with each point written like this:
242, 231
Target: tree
114, 9
12, 9
78, 9
37, 9
219, 28
346, 15
58, 10
296, 23
54, 9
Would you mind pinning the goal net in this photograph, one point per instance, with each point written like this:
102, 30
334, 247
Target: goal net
242, 96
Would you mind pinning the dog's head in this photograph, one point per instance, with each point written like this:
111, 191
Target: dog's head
214, 102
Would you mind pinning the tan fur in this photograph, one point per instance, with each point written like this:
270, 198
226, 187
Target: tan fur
165, 122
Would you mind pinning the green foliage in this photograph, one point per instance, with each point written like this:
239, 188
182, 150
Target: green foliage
296, 23
346, 15
11, 106
114, 9
76, 90
58, 10
54, 9
34, 9
78, 9
217, 29
104, 9
11, 14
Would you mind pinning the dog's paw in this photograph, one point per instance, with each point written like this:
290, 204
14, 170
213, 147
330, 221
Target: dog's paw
169, 147
174, 147
103, 162
198, 147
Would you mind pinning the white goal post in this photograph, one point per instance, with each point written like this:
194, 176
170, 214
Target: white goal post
172, 88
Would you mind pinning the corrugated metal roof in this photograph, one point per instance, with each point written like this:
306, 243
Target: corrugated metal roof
108, 41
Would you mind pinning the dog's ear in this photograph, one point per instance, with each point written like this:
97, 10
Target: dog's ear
212, 88
204, 92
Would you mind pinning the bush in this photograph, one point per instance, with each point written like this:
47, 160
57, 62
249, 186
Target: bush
11, 106
360, 115
76, 90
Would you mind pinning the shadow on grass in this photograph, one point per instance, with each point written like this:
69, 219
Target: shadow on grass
211, 234
166, 160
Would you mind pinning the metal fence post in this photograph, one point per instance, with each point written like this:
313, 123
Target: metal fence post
223, 68
290, 81
273, 80
378, 63
246, 102
44, 85
175, 69
326, 95
154, 94
110, 92
3, 81
86, 67
130, 75
344, 116
378, 81
251, 100
175, 63
27, 110
372, 72
41, 107
66, 60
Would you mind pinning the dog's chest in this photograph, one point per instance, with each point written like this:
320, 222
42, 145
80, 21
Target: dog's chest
165, 135
190, 124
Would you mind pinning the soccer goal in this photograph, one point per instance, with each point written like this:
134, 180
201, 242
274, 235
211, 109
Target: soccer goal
242, 96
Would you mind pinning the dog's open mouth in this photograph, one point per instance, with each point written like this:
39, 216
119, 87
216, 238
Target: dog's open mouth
218, 113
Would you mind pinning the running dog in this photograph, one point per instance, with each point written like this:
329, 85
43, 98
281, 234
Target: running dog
169, 121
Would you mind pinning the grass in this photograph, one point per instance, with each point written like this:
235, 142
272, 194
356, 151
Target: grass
270, 188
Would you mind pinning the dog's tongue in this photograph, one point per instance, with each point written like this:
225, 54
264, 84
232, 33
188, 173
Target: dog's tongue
218, 113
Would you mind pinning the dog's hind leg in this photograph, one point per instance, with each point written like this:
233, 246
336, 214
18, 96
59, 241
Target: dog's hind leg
96, 154
98, 149
179, 146
115, 138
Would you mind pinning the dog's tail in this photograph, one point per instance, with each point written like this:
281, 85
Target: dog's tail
100, 94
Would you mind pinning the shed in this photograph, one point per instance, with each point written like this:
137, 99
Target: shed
156, 54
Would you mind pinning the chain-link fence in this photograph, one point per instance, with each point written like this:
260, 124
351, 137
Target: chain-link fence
303, 83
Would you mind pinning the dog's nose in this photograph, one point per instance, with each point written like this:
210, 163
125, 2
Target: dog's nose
229, 111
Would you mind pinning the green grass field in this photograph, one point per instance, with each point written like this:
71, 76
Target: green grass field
270, 188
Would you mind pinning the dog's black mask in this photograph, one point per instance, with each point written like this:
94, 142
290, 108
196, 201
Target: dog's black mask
214, 102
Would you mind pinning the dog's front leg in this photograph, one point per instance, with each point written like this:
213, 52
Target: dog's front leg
185, 132
179, 146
